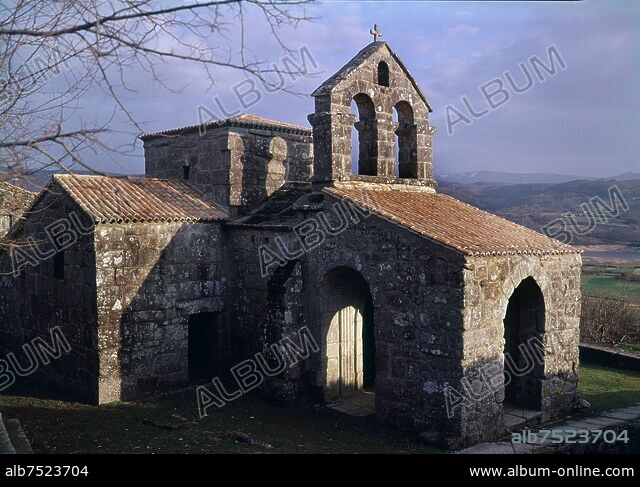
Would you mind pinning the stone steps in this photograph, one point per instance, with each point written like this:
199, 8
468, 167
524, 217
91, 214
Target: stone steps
517, 418
12, 438
6, 447
615, 419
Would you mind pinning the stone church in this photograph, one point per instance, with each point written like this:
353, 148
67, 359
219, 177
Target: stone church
246, 230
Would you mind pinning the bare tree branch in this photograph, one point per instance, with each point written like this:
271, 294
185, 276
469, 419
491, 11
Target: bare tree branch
54, 55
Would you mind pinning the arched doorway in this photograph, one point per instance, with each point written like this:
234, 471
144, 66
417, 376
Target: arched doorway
523, 352
348, 326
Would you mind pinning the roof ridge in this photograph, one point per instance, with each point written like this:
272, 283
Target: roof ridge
240, 120
16, 187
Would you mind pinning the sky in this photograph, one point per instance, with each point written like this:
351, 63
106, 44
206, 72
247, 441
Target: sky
582, 120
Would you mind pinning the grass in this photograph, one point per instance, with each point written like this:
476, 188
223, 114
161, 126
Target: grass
607, 388
152, 427
170, 424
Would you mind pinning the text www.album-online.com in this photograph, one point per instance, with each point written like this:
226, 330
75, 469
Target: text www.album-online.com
576, 471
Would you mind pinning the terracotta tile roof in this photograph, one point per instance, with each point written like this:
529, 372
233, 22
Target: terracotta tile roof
120, 199
453, 223
245, 120
7, 186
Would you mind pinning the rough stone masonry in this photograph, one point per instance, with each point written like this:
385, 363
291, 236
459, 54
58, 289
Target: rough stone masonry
160, 281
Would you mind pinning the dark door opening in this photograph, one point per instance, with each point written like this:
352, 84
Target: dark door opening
523, 356
204, 351
511, 349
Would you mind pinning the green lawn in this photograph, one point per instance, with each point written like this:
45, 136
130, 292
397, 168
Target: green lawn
149, 427
607, 388
159, 426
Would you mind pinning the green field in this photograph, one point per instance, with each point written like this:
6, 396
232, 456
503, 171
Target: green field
599, 280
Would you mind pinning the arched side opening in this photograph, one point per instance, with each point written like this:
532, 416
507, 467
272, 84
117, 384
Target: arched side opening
383, 73
523, 349
364, 159
406, 141
348, 324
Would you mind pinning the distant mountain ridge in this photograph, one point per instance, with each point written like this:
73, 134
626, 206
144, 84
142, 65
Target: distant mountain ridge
40, 178
538, 204
524, 178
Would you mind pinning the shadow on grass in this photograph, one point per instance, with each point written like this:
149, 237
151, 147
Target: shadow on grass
170, 424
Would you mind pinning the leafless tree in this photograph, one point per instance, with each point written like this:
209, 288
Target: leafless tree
609, 320
54, 53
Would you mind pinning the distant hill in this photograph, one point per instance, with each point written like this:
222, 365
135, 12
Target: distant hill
537, 204
523, 178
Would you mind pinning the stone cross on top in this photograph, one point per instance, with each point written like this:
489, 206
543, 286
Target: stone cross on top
375, 33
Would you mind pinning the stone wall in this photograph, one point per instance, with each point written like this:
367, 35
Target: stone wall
151, 277
489, 283
235, 166
416, 287
14, 201
267, 309
33, 302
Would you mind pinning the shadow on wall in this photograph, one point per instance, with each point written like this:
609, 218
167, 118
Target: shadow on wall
47, 311
164, 324
482, 412
262, 166
345, 362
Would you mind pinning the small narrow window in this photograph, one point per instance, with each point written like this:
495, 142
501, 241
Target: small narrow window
186, 171
383, 74
58, 265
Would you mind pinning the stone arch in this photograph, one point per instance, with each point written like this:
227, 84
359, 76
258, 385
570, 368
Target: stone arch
406, 140
519, 273
366, 127
524, 323
383, 74
348, 348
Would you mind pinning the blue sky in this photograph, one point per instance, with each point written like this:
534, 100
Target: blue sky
584, 120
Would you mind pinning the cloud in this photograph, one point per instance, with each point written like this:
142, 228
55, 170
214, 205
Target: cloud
581, 120
460, 30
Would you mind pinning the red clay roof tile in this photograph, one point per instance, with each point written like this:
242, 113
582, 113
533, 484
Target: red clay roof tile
453, 223
116, 199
